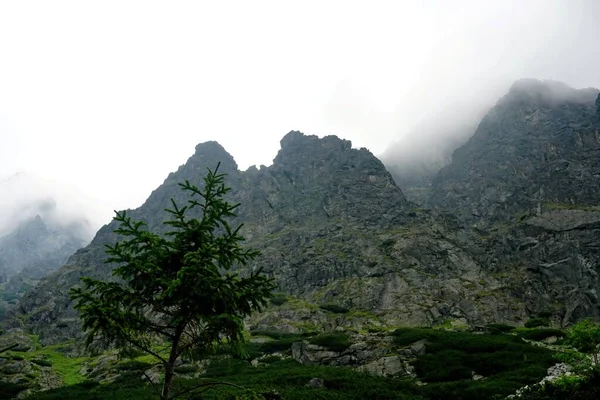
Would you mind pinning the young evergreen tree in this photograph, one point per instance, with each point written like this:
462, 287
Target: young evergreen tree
176, 294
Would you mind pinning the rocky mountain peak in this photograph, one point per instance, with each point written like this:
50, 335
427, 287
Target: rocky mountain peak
212, 152
296, 141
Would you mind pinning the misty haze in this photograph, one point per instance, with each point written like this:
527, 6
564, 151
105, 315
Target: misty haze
417, 184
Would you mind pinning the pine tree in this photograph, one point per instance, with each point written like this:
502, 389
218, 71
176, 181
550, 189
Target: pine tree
176, 294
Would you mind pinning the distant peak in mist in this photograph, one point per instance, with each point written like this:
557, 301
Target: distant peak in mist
549, 92
421, 152
26, 198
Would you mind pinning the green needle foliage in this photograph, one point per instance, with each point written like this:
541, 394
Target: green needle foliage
177, 289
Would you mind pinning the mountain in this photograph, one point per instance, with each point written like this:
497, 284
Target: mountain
538, 146
501, 242
36, 235
332, 227
527, 184
30, 252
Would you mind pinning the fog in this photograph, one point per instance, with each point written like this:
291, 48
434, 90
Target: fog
102, 100
25, 196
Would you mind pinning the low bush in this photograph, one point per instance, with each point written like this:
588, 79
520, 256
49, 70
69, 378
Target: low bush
407, 336
278, 299
451, 359
274, 346
332, 341
495, 329
537, 322
133, 365
540, 333
10, 390
277, 334
42, 362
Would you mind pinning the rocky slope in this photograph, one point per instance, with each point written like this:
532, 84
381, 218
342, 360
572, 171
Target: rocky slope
333, 228
538, 146
504, 240
528, 184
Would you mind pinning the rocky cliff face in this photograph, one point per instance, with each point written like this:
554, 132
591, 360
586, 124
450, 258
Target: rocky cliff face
538, 146
513, 230
527, 185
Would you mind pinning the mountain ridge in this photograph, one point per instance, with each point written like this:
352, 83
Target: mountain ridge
334, 228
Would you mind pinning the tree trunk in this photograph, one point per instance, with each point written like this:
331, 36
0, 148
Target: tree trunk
166, 390
170, 366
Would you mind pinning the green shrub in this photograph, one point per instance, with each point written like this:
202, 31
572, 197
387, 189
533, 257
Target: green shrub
133, 365
274, 346
332, 341
407, 336
495, 329
42, 362
334, 308
278, 299
10, 390
537, 322
540, 333
506, 361
277, 334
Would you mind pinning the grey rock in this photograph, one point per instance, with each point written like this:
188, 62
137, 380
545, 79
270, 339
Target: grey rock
316, 383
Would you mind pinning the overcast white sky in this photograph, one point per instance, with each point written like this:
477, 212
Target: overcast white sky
109, 97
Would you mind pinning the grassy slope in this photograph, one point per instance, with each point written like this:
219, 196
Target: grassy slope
506, 361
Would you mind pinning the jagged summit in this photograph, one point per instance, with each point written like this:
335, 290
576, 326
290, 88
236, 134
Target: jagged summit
295, 138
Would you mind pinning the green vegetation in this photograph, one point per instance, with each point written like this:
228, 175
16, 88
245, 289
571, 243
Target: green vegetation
332, 341
565, 388
183, 280
278, 299
585, 337
286, 377
10, 390
499, 328
539, 333
334, 308
506, 362
537, 322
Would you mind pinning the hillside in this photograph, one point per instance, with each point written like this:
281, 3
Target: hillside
335, 229
511, 233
